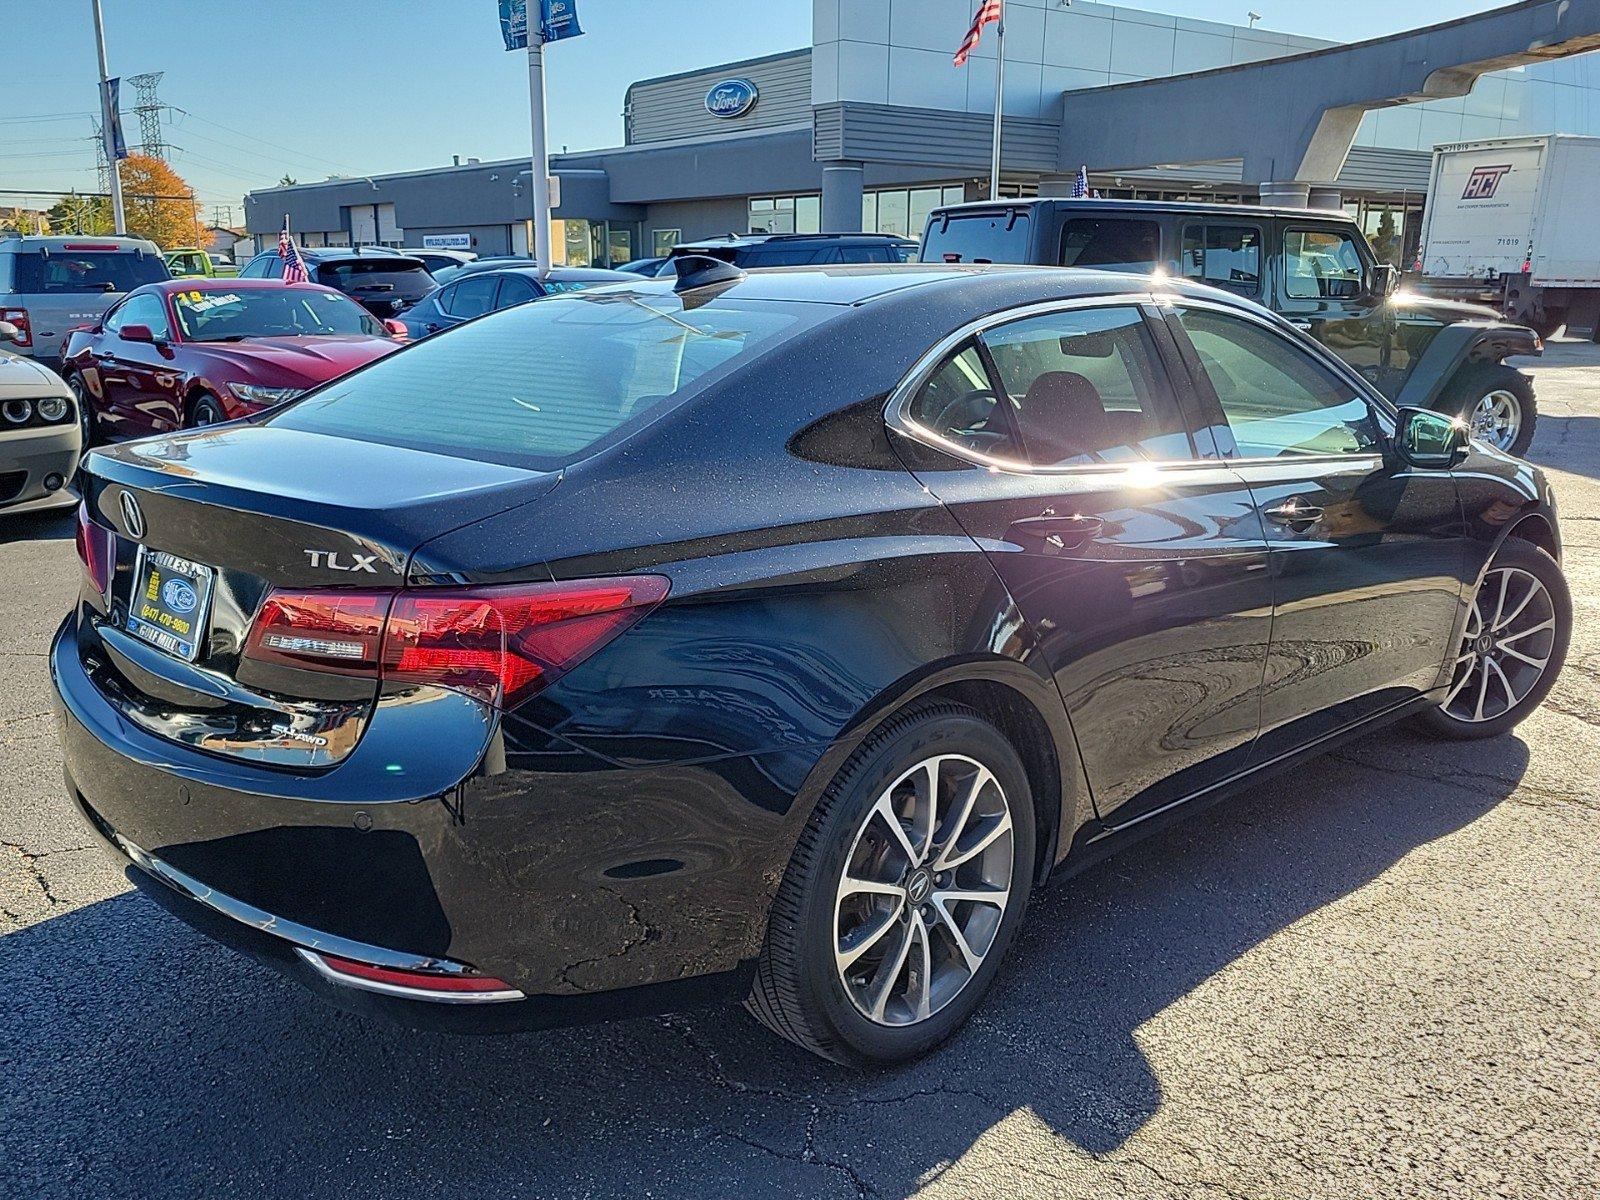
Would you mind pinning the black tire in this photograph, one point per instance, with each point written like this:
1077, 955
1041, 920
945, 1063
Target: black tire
1526, 557
205, 409
88, 426
1476, 382
799, 993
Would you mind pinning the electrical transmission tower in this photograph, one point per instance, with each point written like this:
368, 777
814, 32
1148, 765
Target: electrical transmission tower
149, 107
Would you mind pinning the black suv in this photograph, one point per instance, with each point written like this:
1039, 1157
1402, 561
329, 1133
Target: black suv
1313, 267
799, 249
384, 282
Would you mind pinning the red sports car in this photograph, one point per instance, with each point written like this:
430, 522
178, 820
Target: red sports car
183, 353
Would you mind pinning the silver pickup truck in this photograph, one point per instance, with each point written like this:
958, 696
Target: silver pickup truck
48, 285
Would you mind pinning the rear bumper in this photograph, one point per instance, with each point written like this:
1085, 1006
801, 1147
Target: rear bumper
590, 889
29, 459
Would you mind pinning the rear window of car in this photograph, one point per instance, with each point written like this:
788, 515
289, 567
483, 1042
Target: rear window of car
375, 275
977, 237
541, 385
68, 272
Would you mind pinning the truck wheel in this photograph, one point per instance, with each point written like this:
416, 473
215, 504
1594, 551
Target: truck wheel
1497, 401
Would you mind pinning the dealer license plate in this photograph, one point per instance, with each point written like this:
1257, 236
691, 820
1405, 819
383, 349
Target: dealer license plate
170, 602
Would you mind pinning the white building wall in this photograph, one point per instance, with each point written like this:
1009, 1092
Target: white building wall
900, 51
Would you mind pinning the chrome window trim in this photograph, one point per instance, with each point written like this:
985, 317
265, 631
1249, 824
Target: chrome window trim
897, 417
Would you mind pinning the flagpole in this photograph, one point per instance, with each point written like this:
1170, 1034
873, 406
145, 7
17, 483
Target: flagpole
999, 100
541, 152
108, 121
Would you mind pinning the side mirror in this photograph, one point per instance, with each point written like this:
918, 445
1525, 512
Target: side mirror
1385, 280
136, 333
10, 333
1429, 439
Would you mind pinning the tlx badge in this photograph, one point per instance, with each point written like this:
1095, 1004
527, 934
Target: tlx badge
330, 559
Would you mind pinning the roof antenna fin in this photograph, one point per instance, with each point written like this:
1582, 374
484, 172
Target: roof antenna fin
702, 270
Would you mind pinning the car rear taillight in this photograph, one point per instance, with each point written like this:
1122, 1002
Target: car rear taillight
19, 318
500, 644
95, 543
325, 630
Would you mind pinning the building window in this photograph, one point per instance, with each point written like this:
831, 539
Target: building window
786, 214
904, 211
663, 240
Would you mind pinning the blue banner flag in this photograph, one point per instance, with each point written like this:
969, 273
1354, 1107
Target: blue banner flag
113, 110
558, 19
514, 23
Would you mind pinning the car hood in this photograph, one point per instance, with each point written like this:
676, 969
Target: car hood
1415, 304
21, 376
310, 360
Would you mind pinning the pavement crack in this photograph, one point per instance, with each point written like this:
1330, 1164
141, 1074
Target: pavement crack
634, 919
808, 1154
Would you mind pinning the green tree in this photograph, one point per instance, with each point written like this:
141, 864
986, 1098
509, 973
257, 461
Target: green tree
287, 181
81, 214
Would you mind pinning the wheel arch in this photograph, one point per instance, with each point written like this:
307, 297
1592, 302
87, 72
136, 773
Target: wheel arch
1023, 706
1534, 526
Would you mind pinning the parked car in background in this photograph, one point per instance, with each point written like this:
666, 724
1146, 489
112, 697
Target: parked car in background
490, 262
473, 293
188, 262
768, 637
385, 282
1312, 266
189, 353
39, 438
648, 267
749, 250
441, 260
48, 285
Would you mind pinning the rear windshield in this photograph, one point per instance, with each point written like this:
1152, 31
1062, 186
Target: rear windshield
541, 385
376, 277
211, 316
66, 272
977, 237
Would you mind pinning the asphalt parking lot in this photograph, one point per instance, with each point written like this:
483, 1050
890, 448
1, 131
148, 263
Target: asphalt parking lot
1377, 978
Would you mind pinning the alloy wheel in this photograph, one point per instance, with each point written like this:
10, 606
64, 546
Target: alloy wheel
923, 890
1497, 419
1509, 638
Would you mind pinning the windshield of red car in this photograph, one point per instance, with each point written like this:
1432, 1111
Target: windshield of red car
223, 316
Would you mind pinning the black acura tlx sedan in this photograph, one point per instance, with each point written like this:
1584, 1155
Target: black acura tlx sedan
765, 636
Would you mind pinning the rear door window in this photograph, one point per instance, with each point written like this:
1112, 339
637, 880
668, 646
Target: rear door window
541, 385
1225, 256
514, 289
960, 404
1111, 243
73, 272
1086, 386
472, 297
977, 237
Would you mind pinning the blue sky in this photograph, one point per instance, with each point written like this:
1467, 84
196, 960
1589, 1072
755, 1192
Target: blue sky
311, 88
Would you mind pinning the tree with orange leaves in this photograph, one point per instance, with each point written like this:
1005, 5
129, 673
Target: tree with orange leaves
152, 194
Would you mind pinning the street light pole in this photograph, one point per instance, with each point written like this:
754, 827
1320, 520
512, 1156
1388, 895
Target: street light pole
107, 124
999, 101
541, 151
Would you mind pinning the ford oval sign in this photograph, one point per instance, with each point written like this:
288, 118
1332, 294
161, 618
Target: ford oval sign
732, 98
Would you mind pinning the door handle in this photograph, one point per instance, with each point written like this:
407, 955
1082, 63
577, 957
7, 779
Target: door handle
1294, 513
1058, 533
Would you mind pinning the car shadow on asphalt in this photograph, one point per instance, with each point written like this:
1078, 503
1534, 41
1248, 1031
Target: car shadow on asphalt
142, 1059
55, 525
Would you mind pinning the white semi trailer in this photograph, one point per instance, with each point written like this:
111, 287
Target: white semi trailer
1515, 222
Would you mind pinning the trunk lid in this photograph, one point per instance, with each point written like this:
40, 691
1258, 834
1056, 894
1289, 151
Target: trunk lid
251, 508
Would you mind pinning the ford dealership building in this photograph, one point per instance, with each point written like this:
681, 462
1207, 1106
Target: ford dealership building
872, 126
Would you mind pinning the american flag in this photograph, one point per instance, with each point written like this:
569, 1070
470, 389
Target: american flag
294, 267
1080, 185
988, 11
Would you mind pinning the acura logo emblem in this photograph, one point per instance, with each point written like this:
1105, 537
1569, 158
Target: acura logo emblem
132, 516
